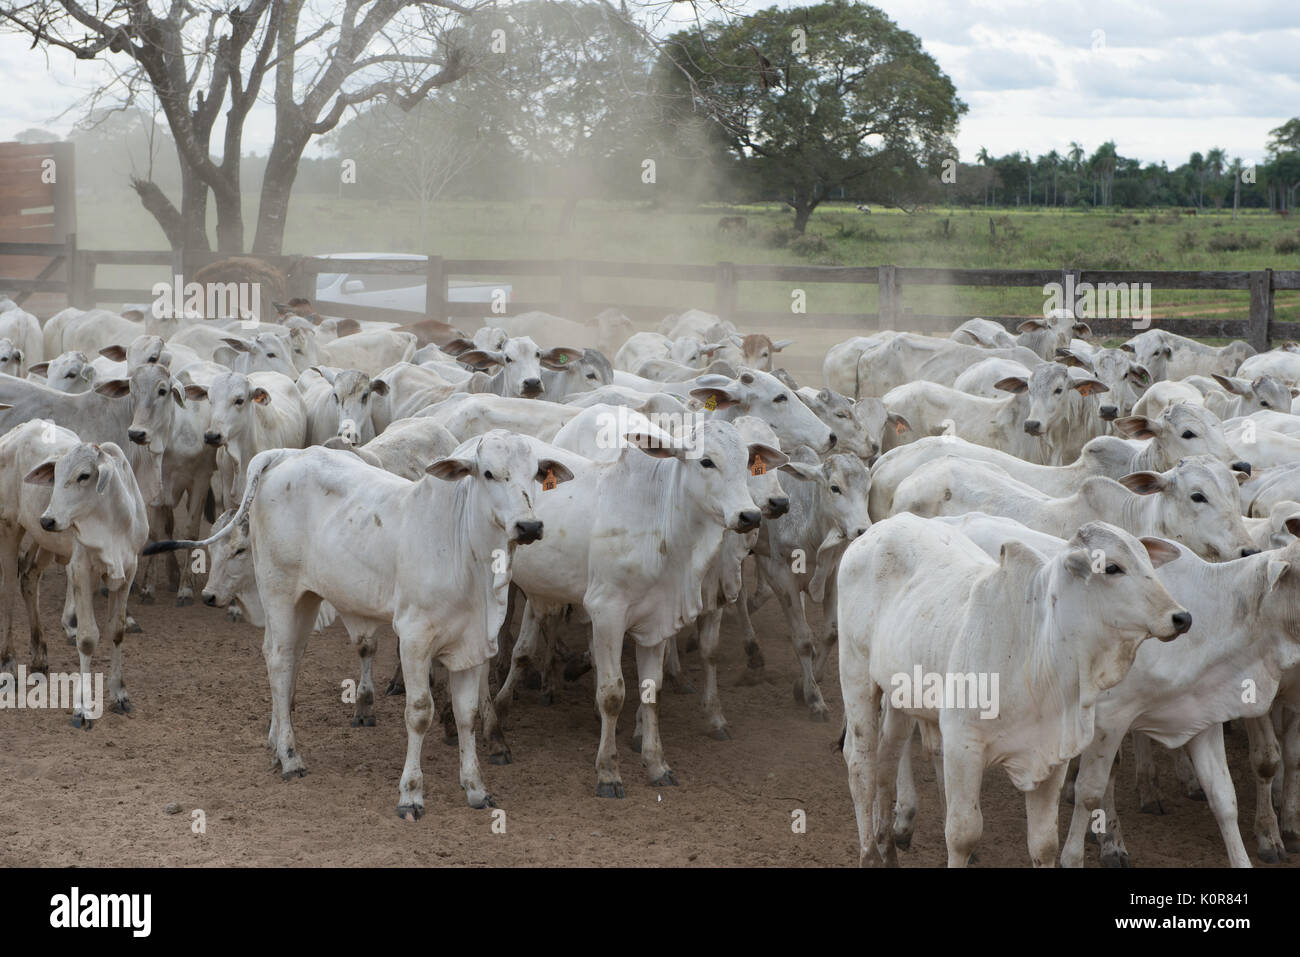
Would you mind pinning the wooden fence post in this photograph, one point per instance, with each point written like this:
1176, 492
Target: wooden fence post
1261, 309
887, 294
435, 289
724, 291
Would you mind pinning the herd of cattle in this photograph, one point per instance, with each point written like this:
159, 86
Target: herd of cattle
1029, 507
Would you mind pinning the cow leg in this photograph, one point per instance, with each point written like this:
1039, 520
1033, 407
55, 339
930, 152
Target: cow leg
29, 583
1265, 759
905, 802
191, 518
440, 688
806, 690
1144, 766
861, 742
1291, 783
466, 688
363, 714
710, 624
932, 741
1095, 771
287, 629
115, 619
1114, 853
83, 583
753, 653
1042, 806
650, 679
895, 734
674, 676
498, 750
606, 657
415, 645
522, 654
1186, 774
1206, 752
830, 632
963, 773
9, 542
68, 619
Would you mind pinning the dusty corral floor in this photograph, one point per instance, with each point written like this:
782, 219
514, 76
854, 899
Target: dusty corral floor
197, 737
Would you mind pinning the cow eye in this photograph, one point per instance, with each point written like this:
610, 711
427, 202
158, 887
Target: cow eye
836, 489
1263, 403
708, 463
842, 414
781, 398
488, 476
162, 391
509, 360
239, 402
1113, 569
538, 356
591, 376
240, 551
1189, 434
83, 477
1198, 498
1058, 392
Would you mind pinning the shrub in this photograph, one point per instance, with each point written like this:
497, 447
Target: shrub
1233, 242
809, 245
1287, 245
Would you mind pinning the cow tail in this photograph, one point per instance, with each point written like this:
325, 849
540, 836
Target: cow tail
256, 468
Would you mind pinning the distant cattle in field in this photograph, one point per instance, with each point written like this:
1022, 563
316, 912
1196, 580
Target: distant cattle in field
863, 208
726, 223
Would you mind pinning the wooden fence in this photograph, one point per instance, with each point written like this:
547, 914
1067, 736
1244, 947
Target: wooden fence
719, 284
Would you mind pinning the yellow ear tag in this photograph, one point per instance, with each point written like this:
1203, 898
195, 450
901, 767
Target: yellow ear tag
549, 483
711, 403
758, 466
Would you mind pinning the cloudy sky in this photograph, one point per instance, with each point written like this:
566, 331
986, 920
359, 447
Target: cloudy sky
1160, 77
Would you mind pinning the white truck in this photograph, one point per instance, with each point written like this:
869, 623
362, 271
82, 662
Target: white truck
380, 291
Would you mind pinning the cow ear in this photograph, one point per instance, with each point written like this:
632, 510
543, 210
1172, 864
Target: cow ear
653, 444
1276, 569
457, 346
105, 473
1235, 386
41, 368
1082, 329
1067, 358
1031, 325
1294, 392
780, 344
770, 457
803, 470
224, 355
260, 396
1168, 351
1013, 552
561, 357
1139, 374
43, 474
1137, 427
1077, 561
1143, 483
177, 397
451, 469
114, 388
326, 373
899, 424
1159, 551
239, 345
116, 353
195, 392
1292, 525
719, 397
1127, 347
379, 386
737, 338
550, 468
1091, 386
481, 359
1014, 384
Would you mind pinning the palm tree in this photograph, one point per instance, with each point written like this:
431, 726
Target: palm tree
1236, 185
1054, 163
1214, 163
1075, 156
984, 160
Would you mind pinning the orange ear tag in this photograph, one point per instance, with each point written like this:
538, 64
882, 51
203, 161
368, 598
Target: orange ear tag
711, 403
758, 466
549, 483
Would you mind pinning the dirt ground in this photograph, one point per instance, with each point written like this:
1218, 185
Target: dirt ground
196, 739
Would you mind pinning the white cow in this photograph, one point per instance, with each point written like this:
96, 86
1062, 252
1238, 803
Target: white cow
919, 599
340, 402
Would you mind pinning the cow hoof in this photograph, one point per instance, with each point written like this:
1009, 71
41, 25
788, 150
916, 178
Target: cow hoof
665, 780
132, 626
396, 686
121, 706
1268, 855
798, 690
903, 841
410, 812
144, 597
1291, 841
1153, 807
1090, 837
82, 722
533, 681
636, 743
42, 670
1115, 859
720, 734
183, 600
479, 802
548, 699
1196, 795
500, 757
364, 721
609, 789
71, 637
233, 614
292, 773
821, 713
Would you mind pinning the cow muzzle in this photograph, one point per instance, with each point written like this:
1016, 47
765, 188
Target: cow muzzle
209, 599
747, 520
213, 438
49, 523
1182, 622
1241, 467
526, 532
138, 436
776, 507
1033, 427
531, 388
1108, 413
